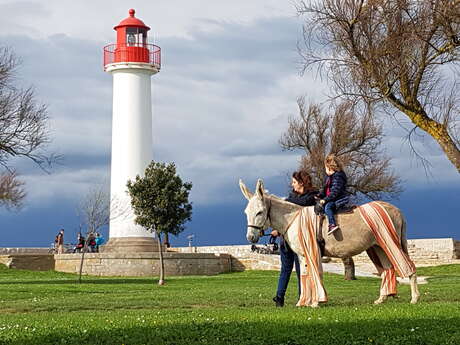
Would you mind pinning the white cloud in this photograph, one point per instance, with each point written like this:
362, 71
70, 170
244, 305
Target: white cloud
65, 185
94, 20
228, 83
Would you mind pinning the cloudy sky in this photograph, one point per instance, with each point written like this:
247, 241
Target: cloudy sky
228, 83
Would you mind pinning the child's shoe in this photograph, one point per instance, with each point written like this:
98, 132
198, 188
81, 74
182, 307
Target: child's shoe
332, 228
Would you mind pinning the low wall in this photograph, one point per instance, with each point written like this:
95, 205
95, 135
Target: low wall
33, 262
423, 252
243, 258
204, 260
24, 250
144, 264
434, 251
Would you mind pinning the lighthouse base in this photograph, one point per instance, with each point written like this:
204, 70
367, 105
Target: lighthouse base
130, 245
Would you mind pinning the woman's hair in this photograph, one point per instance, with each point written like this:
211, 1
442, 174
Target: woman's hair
303, 178
333, 162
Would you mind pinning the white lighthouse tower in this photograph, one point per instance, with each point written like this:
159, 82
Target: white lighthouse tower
132, 61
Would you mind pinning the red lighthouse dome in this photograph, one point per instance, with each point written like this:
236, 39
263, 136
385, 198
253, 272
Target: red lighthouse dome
132, 44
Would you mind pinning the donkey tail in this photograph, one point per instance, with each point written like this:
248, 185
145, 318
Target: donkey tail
403, 235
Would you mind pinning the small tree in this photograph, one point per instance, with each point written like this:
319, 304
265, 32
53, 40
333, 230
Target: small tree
160, 202
94, 208
94, 213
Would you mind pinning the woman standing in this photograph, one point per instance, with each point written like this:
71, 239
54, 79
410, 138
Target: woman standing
303, 194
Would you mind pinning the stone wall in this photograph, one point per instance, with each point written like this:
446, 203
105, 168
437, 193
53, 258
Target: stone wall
25, 250
34, 262
423, 252
241, 255
434, 251
204, 260
144, 264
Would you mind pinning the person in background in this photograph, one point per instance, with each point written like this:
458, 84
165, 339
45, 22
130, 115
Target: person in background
59, 241
99, 241
303, 194
80, 243
91, 242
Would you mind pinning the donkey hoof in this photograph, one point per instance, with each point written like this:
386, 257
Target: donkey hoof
380, 300
414, 299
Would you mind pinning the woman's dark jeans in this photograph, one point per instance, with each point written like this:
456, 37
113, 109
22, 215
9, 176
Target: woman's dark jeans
331, 207
288, 260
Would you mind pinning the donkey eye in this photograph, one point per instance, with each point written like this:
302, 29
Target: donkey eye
259, 213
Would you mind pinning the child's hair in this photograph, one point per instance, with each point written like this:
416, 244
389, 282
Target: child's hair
303, 177
333, 162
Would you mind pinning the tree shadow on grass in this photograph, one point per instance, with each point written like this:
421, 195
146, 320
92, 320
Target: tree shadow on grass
303, 331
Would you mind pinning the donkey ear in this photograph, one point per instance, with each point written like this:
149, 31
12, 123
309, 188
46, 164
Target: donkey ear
260, 189
247, 194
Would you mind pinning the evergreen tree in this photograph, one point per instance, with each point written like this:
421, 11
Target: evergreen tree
160, 202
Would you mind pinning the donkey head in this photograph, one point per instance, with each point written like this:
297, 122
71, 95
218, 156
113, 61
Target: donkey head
256, 211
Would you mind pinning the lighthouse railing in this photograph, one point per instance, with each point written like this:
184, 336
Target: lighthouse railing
144, 53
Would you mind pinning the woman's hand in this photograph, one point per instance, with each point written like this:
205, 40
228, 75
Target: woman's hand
275, 233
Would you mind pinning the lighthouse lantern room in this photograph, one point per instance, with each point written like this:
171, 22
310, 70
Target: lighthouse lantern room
131, 61
132, 44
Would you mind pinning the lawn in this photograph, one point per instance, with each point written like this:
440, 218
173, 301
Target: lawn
51, 308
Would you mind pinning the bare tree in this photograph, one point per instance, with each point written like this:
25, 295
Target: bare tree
11, 190
94, 213
399, 54
352, 134
94, 208
23, 130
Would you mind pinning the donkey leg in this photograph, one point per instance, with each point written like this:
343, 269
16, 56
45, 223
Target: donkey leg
386, 271
388, 285
415, 294
414, 288
381, 299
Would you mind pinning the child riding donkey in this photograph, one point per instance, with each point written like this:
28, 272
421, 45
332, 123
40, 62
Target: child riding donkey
334, 194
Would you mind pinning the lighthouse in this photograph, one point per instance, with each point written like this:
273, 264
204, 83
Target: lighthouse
132, 61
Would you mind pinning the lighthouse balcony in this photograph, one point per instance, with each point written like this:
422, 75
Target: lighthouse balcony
137, 53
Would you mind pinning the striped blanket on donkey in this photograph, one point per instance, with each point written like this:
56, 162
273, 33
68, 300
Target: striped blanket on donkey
311, 274
379, 221
381, 225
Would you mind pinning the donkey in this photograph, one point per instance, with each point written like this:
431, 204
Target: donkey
353, 237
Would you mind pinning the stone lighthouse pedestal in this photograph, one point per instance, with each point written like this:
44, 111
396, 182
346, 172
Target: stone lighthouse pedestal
131, 250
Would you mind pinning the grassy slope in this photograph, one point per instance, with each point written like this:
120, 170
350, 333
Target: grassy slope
50, 308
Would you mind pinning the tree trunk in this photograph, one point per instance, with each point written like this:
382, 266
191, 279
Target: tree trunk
438, 131
451, 150
81, 261
162, 266
167, 244
349, 266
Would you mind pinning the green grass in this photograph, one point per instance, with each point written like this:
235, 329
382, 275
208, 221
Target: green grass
50, 308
